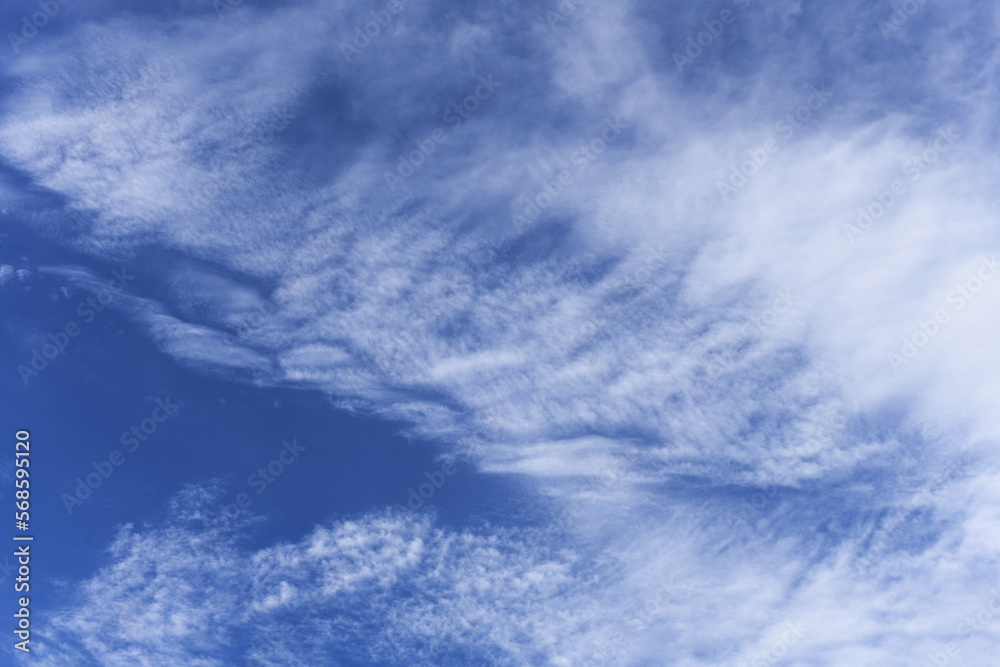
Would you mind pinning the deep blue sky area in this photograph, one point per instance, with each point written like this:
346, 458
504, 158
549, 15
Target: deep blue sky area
107, 381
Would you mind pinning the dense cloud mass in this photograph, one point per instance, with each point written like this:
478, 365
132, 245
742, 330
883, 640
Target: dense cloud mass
729, 308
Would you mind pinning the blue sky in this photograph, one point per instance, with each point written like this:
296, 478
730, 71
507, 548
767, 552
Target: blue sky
574, 333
